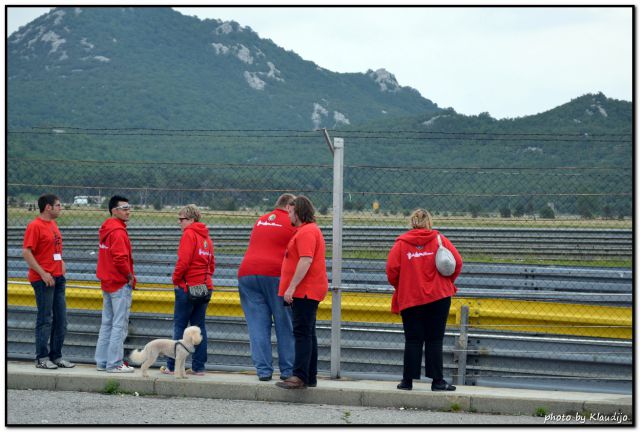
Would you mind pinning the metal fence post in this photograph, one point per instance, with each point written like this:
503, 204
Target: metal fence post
336, 266
461, 345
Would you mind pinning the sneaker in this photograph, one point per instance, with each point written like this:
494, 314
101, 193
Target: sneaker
265, 378
101, 368
442, 385
121, 369
46, 364
196, 373
64, 363
164, 370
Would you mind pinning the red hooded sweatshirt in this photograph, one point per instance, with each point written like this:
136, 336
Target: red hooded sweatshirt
411, 270
115, 261
195, 257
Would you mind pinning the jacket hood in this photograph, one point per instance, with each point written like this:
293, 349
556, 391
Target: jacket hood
110, 225
199, 228
418, 237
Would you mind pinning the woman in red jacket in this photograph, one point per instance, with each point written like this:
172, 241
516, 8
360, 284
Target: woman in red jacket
195, 266
422, 297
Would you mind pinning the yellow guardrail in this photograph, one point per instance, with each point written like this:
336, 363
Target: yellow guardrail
488, 314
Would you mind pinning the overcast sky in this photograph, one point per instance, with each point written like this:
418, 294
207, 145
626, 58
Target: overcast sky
510, 61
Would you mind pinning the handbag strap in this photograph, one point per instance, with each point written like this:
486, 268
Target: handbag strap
439, 241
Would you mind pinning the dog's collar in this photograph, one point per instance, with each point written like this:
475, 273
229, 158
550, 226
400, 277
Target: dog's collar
175, 348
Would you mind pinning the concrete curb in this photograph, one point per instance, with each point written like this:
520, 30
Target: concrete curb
239, 386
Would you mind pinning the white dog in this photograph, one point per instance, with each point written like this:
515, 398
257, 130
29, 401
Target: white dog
178, 350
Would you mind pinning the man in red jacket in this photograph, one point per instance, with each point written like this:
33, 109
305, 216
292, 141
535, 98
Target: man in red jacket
42, 250
117, 280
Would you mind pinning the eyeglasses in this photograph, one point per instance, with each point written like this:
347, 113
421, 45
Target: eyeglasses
123, 207
182, 218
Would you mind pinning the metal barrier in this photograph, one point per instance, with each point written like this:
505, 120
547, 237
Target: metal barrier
492, 359
556, 243
604, 286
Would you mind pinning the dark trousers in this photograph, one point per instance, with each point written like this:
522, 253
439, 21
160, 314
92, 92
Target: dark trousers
51, 321
185, 314
424, 325
305, 365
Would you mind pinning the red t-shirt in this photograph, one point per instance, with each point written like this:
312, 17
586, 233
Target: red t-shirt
45, 241
269, 238
307, 242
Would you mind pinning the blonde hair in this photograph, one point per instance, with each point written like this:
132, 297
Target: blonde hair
284, 200
191, 211
421, 218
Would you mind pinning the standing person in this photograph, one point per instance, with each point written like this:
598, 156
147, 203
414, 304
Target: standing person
304, 285
42, 250
422, 297
195, 266
258, 281
117, 280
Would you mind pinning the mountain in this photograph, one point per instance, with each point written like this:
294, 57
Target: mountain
156, 68
199, 108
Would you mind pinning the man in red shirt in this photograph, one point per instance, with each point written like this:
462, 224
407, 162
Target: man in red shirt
117, 280
258, 280
304, 284
42, 250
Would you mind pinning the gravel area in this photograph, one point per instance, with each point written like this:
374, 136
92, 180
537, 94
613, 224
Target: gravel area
41, 407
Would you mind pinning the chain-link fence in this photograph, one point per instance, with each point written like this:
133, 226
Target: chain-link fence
544, 297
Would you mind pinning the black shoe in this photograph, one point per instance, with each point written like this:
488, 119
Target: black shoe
442, 385
284, 377
265, 378
405, 385
313, 384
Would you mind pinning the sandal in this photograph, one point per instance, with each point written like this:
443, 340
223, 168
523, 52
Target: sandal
191, 372
165, 370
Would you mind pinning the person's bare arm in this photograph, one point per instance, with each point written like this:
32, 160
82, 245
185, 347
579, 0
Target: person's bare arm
27, 254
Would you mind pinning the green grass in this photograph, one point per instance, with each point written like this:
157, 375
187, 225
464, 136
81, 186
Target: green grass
488, 259
111, 387
92, 216
85, 216
540, 412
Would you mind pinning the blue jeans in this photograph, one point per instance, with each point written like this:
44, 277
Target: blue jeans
51, 322
185, 314
304, 330
262, 307
114, 327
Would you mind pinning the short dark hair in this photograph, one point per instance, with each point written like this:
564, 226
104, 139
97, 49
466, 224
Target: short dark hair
113, 202
304, 210
47, 199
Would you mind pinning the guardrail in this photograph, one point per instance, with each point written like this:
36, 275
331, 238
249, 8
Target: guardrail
489, 314
537, 242
605, 286
374, 351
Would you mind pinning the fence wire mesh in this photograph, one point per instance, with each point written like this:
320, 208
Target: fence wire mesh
547, 250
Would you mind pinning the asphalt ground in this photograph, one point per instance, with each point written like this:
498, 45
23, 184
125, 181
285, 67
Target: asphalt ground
239, 398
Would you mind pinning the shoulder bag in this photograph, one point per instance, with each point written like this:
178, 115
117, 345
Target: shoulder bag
445, 262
